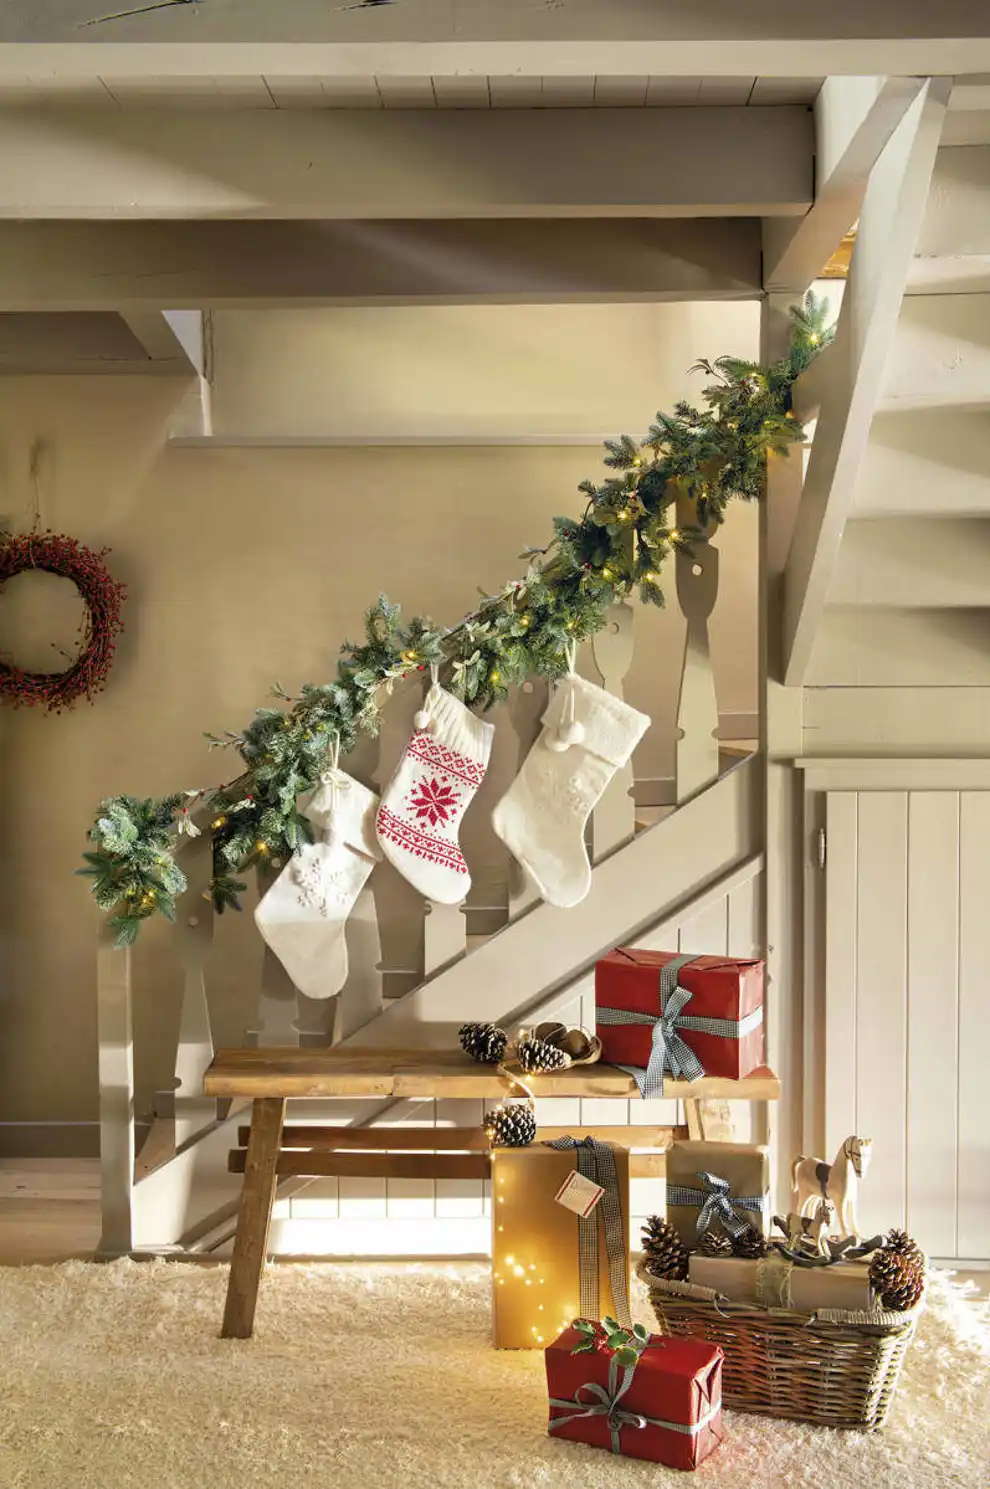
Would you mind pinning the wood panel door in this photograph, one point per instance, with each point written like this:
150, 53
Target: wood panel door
907, 1007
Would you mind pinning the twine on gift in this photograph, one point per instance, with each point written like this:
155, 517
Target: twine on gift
596, 1161
716, 1201
670, 1054
606, 1404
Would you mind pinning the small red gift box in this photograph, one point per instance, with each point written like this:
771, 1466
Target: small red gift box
726, 1000
667, 1407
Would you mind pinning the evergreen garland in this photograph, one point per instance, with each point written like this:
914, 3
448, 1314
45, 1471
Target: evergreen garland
710, 454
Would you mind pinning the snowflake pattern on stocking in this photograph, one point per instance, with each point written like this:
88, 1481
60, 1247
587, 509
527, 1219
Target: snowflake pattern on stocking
318, 887
433, 800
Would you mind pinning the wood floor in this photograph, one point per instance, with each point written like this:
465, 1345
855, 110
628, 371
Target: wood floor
50, 1211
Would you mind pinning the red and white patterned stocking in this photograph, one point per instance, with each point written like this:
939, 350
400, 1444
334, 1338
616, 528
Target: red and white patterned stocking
441, 768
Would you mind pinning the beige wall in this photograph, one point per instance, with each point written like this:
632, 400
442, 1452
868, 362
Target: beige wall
244, 565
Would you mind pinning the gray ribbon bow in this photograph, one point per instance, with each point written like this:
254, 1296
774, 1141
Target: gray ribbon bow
606, 1404
670, 1054
716, 1200
596, 1161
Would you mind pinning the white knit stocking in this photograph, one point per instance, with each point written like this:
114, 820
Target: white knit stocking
303, 915
587, 735
441, 768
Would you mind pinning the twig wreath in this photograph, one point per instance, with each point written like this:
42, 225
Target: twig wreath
103, 596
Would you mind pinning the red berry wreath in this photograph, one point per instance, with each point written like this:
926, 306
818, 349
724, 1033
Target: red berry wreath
103, 596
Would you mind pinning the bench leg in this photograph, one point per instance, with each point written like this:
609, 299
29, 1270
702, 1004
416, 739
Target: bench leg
254, 1217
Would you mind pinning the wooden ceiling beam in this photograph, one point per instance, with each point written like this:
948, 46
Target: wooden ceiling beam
377, 164
854, 119
144, 267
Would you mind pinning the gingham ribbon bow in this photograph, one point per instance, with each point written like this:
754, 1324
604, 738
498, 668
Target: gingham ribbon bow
596, 1161
716, 1200
670, 1054
606, 1404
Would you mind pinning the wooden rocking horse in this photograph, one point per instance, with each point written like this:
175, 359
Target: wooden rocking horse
813, 1180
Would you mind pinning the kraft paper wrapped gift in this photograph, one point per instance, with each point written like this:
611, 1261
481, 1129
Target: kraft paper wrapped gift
774, 1282
536, 1242
728, 1183
661, 1013
667, 1408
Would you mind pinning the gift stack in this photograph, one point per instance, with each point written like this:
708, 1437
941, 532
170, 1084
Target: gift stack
802, 1323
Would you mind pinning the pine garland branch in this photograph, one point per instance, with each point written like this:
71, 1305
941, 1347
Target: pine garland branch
617, 548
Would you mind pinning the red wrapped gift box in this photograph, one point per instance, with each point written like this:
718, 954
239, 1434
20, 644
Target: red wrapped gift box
721, 988
676, 1386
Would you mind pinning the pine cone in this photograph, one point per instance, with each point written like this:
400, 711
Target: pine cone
897, 1280
537, 1057
511, 1126
751, 1245
665, 1252
483, 1042
715, 1243
904, 1245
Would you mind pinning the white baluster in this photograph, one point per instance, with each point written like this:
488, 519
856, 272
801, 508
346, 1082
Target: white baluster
116, 1074
444, 936
614, 821
697, 706
400, 909
527, 705
194, 930
276, 1021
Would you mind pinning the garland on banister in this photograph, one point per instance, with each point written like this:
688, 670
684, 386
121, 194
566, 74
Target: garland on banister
619, 546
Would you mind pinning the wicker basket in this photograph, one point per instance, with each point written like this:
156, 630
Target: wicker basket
833, 1368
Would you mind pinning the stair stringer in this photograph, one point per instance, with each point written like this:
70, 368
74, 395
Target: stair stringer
546, 949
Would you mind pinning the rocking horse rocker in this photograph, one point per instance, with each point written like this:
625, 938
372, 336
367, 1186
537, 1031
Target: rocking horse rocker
813, 1181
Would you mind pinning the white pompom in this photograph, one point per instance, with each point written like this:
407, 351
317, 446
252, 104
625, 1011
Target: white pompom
421, 719
555, 743
573, 733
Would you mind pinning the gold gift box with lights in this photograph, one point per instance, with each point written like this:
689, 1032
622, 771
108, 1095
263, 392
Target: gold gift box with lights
536, 1290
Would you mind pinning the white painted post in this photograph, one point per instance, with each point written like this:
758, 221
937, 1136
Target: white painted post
527, 705
194, 930
116, 1075
697, 707
399, 909
614, 820
276, 1020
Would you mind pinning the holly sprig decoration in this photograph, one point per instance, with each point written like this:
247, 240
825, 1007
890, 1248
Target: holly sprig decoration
609, 1337
710, 454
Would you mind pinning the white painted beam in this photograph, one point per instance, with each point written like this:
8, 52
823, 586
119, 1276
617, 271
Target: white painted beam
666, 38
139, 266
172, 339
339, 164
891, 219
854, 119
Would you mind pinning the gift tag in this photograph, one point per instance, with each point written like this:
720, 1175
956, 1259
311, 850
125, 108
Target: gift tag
579, 1194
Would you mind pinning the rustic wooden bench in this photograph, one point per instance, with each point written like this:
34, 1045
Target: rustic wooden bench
270, 1077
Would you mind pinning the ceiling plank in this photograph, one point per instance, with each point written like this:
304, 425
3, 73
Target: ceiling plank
145, 266
854, 119
893, 210
704, 38
377, 163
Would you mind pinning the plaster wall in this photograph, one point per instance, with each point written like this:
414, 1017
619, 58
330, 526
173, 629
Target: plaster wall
251, 564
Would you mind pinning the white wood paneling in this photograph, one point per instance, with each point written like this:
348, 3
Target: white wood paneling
881, 1005
932, 1017
907, 1042
973, 1164
841, 983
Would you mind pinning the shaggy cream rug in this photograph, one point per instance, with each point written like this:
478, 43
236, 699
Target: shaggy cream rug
381, 1377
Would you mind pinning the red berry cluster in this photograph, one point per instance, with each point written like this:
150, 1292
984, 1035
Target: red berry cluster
103, 596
